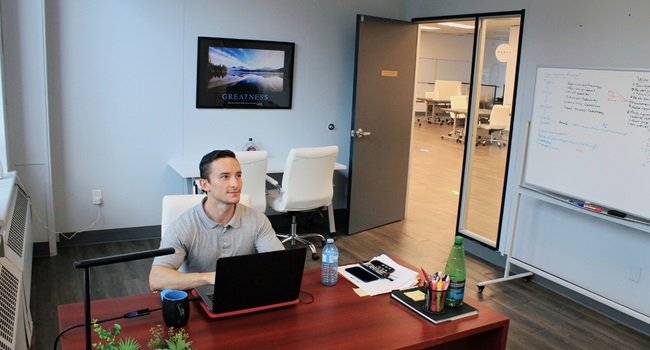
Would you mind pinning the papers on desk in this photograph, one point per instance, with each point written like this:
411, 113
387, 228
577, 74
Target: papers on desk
402, 278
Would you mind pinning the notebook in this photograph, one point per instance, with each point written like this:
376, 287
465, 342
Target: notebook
255, 282
417, 304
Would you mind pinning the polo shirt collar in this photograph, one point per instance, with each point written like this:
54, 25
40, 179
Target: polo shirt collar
235, 221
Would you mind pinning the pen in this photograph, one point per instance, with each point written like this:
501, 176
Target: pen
426, 277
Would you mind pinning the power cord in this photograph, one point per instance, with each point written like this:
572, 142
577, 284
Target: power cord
309, 301
128, 315
99, 216
35, 212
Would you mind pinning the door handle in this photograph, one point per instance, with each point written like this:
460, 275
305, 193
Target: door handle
359, 133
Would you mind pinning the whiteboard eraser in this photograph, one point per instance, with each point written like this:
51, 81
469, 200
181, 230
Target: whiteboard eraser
613, 212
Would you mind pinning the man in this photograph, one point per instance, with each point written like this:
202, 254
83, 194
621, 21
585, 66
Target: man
217, 227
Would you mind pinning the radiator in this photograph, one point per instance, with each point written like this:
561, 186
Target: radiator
16, 325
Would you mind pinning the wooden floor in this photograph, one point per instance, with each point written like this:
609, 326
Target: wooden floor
539, 319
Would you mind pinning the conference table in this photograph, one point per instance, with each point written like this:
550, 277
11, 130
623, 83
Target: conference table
336, 319
189, 170
435, 106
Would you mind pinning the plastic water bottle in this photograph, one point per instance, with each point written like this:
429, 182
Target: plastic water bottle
456, 270
330, 272
250, 145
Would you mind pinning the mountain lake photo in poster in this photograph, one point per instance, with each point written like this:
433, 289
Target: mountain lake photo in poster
236, 73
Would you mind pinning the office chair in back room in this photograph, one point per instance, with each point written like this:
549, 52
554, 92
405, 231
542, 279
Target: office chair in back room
441, 94
458, 102
307, 184
499, 121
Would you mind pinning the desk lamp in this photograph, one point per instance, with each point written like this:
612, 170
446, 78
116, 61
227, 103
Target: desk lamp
113, 259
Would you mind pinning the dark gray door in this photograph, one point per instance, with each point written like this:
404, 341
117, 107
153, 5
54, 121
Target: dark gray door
381, 121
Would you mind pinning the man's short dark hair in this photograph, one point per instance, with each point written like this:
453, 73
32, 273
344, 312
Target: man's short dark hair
206, 162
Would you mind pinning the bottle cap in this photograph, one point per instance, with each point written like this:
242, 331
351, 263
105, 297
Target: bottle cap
458, 240
330, 240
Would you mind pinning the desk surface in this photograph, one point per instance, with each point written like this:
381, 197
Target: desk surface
190, 169
337, 318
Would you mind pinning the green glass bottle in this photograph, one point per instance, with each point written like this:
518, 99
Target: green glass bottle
456, 270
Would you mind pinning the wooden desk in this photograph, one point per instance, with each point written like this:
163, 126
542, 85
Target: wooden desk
337, 319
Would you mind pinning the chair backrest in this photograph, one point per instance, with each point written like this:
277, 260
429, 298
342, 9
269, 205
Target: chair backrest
174, 205
500, 117
443, 90
459, 102
308, 178
253, 172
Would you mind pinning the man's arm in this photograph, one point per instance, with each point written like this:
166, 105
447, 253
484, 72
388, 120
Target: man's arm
162, 277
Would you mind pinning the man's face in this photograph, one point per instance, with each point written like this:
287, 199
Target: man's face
225, 181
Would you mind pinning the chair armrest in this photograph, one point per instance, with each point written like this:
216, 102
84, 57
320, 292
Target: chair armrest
273, 182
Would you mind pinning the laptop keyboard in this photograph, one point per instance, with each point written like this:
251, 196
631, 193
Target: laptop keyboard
211, 296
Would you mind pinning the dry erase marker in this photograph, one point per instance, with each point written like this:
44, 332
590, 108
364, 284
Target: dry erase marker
592, 208
576, 203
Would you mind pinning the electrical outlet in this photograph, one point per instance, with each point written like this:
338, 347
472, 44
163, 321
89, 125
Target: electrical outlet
98, 198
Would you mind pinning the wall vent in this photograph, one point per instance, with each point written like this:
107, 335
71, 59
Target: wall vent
9, 292
16, 234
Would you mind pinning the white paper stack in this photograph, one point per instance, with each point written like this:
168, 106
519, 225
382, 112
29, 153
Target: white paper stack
402, 278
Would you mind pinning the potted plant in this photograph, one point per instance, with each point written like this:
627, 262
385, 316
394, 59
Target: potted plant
110, 337
172, 339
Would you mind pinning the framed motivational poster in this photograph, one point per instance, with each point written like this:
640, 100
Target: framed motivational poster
236, 73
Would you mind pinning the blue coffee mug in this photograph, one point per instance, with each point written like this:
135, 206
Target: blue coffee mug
175, 307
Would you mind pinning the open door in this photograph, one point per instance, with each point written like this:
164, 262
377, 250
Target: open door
381, 122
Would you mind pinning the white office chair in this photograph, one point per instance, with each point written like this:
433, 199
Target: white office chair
458, 102
499, 121
176, 204
441, 94
253, 174
307, 184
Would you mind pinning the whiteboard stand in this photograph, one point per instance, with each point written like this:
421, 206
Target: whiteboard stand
506, 273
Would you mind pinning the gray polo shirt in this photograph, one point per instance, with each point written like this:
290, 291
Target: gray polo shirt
199, 241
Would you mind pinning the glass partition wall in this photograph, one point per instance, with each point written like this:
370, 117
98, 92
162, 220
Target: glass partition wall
487, 132
489, 81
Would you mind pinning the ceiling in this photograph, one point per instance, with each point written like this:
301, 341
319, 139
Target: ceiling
497, 28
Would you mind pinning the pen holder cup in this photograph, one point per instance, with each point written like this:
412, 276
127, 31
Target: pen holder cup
434, 301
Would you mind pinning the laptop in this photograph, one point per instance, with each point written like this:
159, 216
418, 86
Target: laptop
255, 282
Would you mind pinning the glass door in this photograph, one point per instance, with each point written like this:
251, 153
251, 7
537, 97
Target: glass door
480, 52
488, 129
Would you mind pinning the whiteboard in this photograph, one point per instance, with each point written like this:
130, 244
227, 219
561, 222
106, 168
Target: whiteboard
590, 137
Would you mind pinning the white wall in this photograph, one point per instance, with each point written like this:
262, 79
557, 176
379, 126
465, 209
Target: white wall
442, 57
26, 101
122, 83
575, 247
